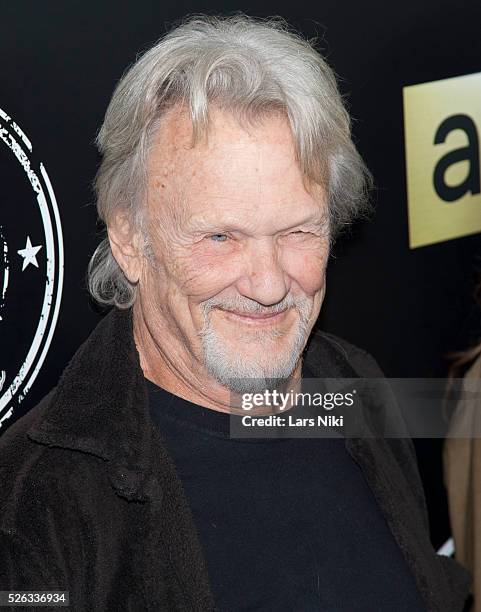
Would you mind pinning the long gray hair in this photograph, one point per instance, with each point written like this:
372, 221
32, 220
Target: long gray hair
250, 66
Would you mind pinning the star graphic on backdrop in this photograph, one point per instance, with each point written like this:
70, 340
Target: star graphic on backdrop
29, 254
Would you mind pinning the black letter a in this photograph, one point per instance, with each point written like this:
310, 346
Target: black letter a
469, 153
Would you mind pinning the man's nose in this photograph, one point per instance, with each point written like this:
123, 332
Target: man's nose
263, 279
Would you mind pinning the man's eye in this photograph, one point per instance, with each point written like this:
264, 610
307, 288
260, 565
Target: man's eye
299, 233
218, 237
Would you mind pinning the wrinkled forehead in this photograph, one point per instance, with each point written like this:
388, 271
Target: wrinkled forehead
171, 146
250, 168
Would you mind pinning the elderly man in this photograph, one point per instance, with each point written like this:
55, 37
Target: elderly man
227, 170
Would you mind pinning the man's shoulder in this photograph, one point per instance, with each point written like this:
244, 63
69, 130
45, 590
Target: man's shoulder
363, 363
15, 445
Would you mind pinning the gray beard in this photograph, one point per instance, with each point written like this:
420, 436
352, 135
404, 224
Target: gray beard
254, 376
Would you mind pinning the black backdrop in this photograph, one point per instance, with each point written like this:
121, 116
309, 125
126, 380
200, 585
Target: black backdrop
59, 63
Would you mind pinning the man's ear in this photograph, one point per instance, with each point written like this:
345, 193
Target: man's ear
124, 242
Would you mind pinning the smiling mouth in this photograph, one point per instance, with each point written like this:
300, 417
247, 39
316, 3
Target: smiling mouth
253, 317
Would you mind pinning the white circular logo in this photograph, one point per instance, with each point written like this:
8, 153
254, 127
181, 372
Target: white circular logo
31, 265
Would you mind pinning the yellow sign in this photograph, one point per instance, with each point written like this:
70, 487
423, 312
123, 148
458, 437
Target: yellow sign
442, 120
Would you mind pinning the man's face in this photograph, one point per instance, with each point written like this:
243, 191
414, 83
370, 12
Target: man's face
240, 250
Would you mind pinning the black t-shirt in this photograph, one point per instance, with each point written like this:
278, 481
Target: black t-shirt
285, 524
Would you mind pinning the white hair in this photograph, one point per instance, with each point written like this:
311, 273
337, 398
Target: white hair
250, 66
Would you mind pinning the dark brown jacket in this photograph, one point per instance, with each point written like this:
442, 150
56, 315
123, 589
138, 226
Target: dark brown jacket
91, 503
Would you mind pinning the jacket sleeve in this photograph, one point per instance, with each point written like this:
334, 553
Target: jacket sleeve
35, 519
22, 568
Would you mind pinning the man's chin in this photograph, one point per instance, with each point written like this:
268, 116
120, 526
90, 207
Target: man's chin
249, 361
252, 372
